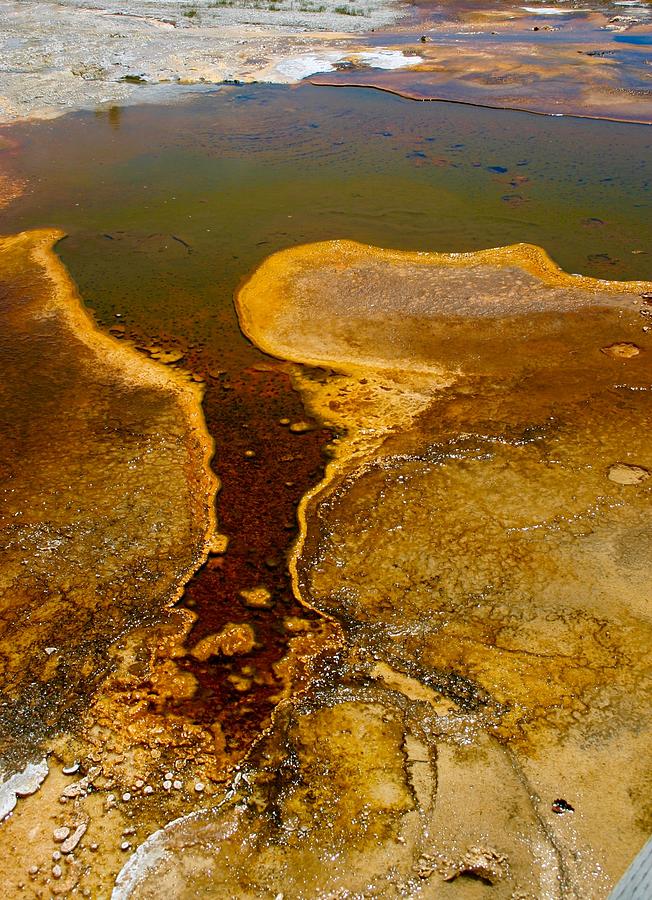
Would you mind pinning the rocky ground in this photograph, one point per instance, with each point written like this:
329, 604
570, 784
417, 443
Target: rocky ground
558, 58
56, 57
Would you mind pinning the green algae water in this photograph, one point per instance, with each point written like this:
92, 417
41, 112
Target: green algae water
168, 208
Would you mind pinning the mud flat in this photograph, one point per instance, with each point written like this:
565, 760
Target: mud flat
480, 538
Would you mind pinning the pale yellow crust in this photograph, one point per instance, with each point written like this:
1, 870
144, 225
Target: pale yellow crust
263, 293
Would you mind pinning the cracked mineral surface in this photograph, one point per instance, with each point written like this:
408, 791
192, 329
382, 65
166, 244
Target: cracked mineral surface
483, 718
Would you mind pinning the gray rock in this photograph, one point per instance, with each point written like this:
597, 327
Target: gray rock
22, 784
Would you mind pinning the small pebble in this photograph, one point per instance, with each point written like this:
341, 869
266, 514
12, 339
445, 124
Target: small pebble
167, 784
33, 870
128, 831
621, 350
72, 791
94, 847
177, 785
57, 871
169, 776
300, 427
70, 843
140, 783
148, 789
199, 787
125, 845
625, 473
71, 769
60, 834
126, 797
56, 856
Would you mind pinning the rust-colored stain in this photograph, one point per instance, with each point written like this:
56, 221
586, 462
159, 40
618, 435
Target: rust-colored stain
268, 454
256, 508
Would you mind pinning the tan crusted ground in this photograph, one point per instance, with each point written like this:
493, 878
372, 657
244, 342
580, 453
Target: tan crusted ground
487, 721
63, 55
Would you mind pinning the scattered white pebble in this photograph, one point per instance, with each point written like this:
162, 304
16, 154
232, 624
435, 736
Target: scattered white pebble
199, 787
140, 783
56, 856
167, 784
33, 870
177, 785
71, 769
70, 843
148, 789
126, 797
169, 776
60, 834
57, 871
125, 845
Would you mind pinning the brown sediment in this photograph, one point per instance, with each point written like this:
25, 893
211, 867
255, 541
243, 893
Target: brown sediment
489, 576
111, 452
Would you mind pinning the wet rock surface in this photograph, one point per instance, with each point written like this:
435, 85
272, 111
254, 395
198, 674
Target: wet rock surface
492, 670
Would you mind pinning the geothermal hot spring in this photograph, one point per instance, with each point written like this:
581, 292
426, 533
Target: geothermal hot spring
326, 452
